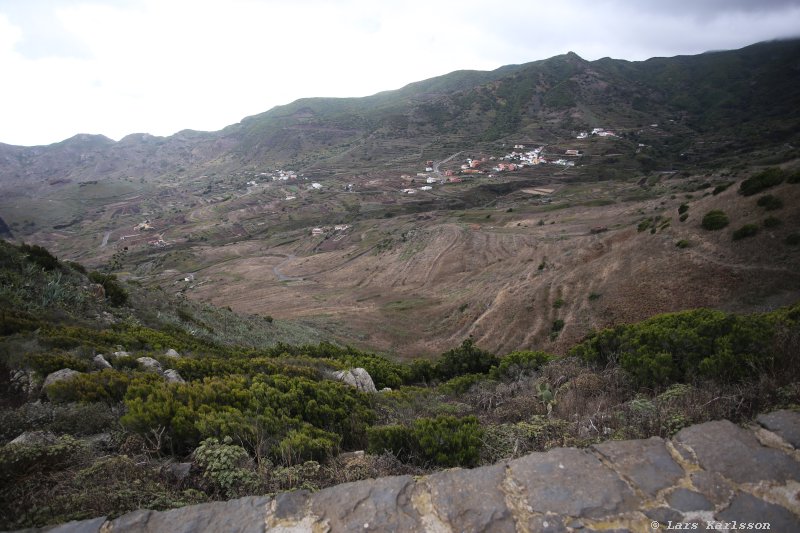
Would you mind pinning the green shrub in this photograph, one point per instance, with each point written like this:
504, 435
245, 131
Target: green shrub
763, 180
520, 363
261, 409
444, 441
48, 362
683, 243
306, 444
683, 217
39, 256
422, 371
466, 359
461, 384
772, 222
683, 208
721, 188
559, 303
698, 344
116, 294
794, 176
393, 438
558, 325
226, 467
715, 220
77, 267
748, 230
793, 239
108, 385
770, 203
20, 460
448, 441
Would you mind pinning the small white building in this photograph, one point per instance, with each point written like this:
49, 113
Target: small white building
430, 180
316, 185
426, 188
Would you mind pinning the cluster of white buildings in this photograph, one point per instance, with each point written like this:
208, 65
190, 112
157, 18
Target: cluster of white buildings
600, 132
325, 229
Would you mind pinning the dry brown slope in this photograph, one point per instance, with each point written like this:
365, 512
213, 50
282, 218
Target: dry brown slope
446, 281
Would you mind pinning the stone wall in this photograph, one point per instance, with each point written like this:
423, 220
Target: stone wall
715, 473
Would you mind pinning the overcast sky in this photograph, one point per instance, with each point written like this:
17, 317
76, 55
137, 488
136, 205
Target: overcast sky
160, 66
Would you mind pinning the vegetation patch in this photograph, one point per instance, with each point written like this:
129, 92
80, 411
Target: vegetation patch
748, 230
761, 181
715, 220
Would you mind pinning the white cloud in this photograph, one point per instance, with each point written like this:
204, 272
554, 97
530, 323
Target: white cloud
159, 66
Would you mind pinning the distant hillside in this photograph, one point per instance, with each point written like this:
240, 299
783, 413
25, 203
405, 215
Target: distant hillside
750, 93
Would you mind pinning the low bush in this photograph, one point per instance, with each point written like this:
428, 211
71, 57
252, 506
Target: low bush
40, 256
715, 220
697, 344
116, 294
761, 181
226, 467
260, 411
48, 362
108, 386
466, 359
793, 239
520, 363
683, 243
683, 208
748, 230
721, 188
772, 222
20, 460
444, 441
461, 384
769, 202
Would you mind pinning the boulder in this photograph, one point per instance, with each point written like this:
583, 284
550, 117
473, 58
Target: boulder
356, 377
172, 376
99, 441
35, 438
59, 375
149, 364
121, 353
25, 381
177, 471
100, 362
172, 353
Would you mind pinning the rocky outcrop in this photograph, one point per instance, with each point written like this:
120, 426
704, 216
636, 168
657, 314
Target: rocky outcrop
150, 364
59, 375
172, 353
35, 438
100, 362
25, 382
356, 377
709, 473
173, 376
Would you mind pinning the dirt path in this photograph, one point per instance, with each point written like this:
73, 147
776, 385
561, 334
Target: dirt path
702, 257
280, 275
437, 163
